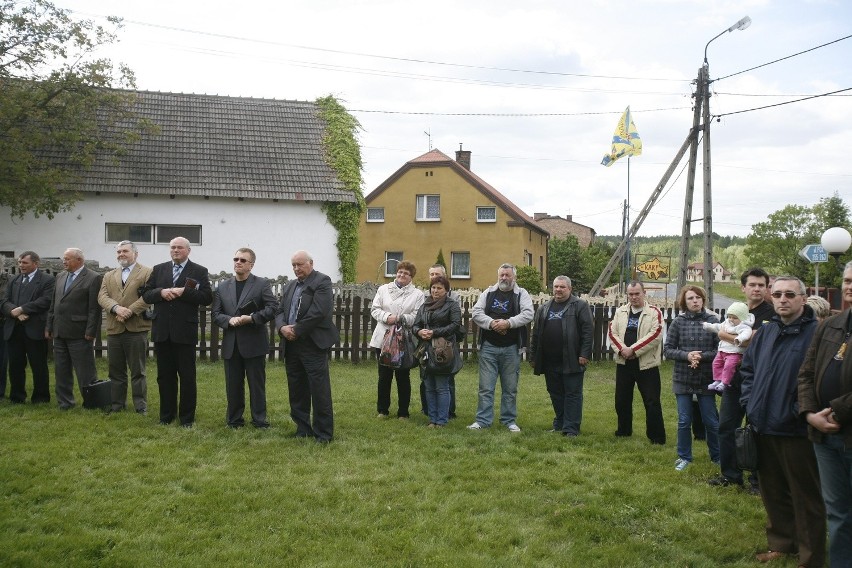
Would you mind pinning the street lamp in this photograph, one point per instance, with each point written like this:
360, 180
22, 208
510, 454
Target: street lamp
703, 100
836, 241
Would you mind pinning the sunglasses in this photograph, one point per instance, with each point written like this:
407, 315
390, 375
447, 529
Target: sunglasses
241, 260
788, 294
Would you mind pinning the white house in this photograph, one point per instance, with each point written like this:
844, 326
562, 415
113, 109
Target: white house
223, 172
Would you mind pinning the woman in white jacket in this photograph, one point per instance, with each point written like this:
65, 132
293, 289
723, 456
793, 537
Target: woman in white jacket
396, 302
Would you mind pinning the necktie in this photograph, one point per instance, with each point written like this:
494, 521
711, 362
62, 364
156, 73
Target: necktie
176, 274
125, 273
68, 281
294, 303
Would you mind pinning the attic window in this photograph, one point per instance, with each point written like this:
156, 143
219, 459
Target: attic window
428, 208
486, 214
375, 214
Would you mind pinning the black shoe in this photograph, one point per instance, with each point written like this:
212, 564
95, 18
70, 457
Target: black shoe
622, 434
753, 489
142, 411
187, 425
722, 481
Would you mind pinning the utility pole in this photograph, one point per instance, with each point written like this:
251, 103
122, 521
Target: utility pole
686, 229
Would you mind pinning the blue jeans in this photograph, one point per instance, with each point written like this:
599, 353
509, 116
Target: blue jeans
504, 362
566, 395
835, 474
710, 417
438, 397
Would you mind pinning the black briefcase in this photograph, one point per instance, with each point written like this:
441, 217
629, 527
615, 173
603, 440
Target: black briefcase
745, 442
98, 395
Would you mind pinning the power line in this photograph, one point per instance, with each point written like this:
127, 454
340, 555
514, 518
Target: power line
781, 104
382, 57
782, 58
513, 114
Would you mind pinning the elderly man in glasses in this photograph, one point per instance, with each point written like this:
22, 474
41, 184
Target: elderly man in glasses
242, 306
789, 478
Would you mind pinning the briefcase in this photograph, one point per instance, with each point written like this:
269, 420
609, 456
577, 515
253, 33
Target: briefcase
98, 395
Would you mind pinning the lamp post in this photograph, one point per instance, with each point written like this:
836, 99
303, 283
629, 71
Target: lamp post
702, 117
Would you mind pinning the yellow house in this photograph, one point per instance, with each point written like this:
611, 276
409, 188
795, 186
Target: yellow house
434, 203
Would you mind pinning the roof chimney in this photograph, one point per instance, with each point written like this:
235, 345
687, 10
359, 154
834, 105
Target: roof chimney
539, 216
463, 157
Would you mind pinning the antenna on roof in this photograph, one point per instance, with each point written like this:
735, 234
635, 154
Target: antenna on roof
429, 134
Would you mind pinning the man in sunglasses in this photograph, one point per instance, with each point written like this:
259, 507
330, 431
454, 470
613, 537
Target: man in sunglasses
242, 306
789, 479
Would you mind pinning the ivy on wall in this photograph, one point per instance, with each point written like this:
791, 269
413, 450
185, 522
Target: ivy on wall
343, 154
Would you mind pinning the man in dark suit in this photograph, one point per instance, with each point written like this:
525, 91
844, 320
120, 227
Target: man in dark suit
73, 321
25, 305
242, 306
176, 289
127, 329
304, 321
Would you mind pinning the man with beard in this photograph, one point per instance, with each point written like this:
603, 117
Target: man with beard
127, 330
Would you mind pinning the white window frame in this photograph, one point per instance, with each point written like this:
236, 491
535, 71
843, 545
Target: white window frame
453, 256
391, 260
480, 209
186, 231
422, 207
376, 210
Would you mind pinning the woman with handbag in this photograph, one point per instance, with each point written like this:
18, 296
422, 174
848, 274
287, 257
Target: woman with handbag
436, 324
395, 303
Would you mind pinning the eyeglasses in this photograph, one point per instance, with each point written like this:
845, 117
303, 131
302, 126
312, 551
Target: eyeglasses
241, 260
788, 294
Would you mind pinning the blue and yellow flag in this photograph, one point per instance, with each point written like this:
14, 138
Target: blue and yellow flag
625, 141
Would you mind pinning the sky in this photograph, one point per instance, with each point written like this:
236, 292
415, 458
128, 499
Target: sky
535, 89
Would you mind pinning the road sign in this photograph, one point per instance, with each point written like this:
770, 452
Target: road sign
814, 253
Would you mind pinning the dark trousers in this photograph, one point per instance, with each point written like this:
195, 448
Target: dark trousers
403, 390
566, 396
23, 350
176, 360
72, 357
648, 381
238, 371
731, 416
4, 365
790, 490
309, 384
128, 350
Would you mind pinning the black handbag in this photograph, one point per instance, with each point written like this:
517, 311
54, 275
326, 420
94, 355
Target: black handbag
745, 441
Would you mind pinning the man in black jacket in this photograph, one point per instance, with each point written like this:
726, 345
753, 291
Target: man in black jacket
177, 288
304, 321
25, 305
560, 348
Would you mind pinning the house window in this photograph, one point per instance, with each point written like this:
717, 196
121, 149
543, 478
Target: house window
192, 233
149, 233
117, 232
486, 214
428, 208
375, 214
460, 265
392, 258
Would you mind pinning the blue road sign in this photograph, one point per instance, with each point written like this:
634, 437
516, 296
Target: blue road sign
814, 253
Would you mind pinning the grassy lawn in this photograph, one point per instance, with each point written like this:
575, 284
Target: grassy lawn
83, 488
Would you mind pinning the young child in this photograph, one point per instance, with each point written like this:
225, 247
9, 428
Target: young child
738, 321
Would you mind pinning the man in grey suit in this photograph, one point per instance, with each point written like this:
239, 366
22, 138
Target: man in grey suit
25, 305
74, 320
304, 321
242, 306
127, 329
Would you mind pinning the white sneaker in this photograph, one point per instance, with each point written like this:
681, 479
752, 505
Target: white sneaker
475, 426
681, 465
513, 428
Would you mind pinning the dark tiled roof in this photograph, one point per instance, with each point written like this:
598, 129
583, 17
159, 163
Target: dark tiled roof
222, 147
437, 158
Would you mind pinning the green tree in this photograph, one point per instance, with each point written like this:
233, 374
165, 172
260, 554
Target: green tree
831, 212
440, 259
529, 278
582, 265
775, 243
58, 104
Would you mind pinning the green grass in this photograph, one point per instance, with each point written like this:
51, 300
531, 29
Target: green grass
83, 488
732, 290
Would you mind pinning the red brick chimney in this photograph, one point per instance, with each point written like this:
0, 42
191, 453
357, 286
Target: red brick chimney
463, 157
